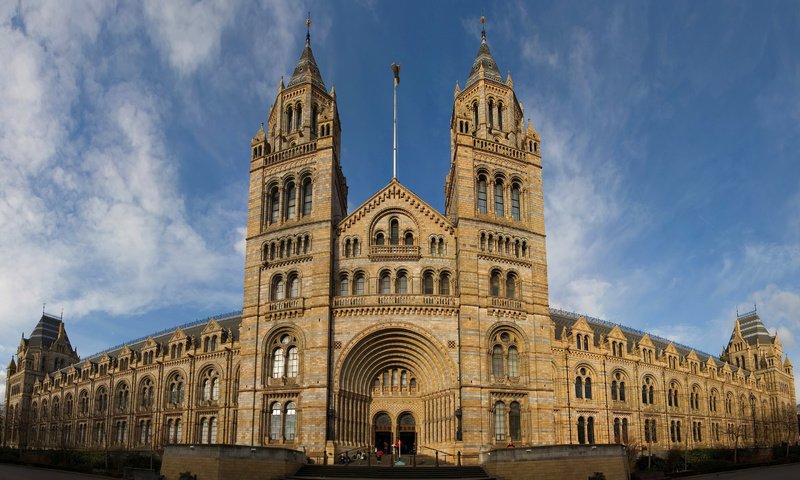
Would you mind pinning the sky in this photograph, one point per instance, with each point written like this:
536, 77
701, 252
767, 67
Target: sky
670, 139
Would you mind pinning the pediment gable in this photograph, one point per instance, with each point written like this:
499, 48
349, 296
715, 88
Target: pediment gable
692, 356
149, 343
395, 195
581, 325
178, 336
671, 349
646, 342
616, 333
211, 326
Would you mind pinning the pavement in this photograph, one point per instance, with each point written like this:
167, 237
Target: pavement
21, 472
775, 472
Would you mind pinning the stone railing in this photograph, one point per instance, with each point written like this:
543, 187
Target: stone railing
508, 303
288, 153
396, 299
498, 148
288, 304
394, 252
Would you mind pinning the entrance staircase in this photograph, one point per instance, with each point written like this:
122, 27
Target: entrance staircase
321, 472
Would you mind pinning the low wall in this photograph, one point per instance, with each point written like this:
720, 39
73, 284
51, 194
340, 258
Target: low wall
577, 462
220, 462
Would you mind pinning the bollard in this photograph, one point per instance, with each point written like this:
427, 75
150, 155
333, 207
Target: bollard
459, 458
437, 458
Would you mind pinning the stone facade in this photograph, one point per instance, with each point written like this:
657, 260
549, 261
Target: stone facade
398, 322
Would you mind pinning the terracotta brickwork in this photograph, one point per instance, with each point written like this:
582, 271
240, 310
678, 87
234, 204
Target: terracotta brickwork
398, 322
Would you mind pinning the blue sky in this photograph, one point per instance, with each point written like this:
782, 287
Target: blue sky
671, 133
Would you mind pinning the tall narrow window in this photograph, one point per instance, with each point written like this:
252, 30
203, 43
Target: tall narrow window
499, 421
385, 283
292, 365
290, 429
515, 213
495, 284
475, 114
289, 123
313, 119
358, 285
511, 286
291, 201
500, 115
588, 387
578, 387
497, 361
307, 191
625, 431
212, 434
433, 246
275, 422
343, 286
401, 284
299, 117
514, 421
499, 207
277, 363
408, 239
491, 113
581, 430
482, 194
274, 205
379, 239
444, 284
427, 283
590, 430
294, 286
394, 232
513, 362
278, 289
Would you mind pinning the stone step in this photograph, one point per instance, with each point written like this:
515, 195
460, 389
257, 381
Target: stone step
318, 472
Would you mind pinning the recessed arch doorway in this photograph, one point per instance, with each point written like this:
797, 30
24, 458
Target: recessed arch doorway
407, 433
382, 431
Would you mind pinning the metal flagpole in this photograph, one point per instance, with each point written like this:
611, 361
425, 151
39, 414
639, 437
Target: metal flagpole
396, 70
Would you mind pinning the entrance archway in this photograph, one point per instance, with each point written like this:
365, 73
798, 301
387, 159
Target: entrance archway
407, 433
382, 428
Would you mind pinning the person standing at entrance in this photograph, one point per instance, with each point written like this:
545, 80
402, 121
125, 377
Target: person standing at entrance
379, 454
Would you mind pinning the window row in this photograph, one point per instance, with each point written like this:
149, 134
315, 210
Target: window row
283, 357
507, 421
501, 192
398, 283
352, 247
394, 237
282, 201
394, 379
504, 245
284, 286
437, 246
501, 285
282, 422
287, 247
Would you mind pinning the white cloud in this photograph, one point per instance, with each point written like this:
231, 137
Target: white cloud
189, 31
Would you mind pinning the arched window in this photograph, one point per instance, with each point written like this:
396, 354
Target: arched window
513, 362
482, 197
495, 284
500, 115
578, 340
289, 123
122, 397
299, 116
581, 430
290, 429
511, 286
614, 390
617, 431
444, 284
344, 285
499, 420
514, 421
497, 361
475, 114
385, 283
355, 247
278, 360
358, 284
307, 196
590, 430
491, 113
441, 246
209, 385
146, 393
408, 239
499, 207
290, 197
278, 290
394, 232
379, 239
515, 209
175, 389
275, 422
588, 387
427, 283
314, 118
292, 365
586, 342
433, 246
401, 284
294, 286
274, 205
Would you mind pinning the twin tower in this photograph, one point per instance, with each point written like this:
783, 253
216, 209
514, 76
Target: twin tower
380, 324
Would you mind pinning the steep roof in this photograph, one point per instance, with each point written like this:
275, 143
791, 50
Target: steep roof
484, 59
564, 319
753, 329
45, 332
306, 68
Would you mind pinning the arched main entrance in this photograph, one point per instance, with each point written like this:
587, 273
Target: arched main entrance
382, 432
407, 433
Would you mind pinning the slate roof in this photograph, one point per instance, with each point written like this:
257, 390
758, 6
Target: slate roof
306, 64
563, 318
227, 321
485, 58
45, 332
753, 329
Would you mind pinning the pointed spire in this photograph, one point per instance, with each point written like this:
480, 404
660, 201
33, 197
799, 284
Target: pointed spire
306, 68
281, 86
457, 90
484, 65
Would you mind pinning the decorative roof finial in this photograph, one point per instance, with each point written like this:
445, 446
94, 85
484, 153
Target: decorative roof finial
483, 29
308, 29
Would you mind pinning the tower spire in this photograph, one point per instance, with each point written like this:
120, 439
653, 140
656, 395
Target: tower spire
308, 29
483, 29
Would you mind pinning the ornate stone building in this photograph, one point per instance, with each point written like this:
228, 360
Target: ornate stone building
395, 321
